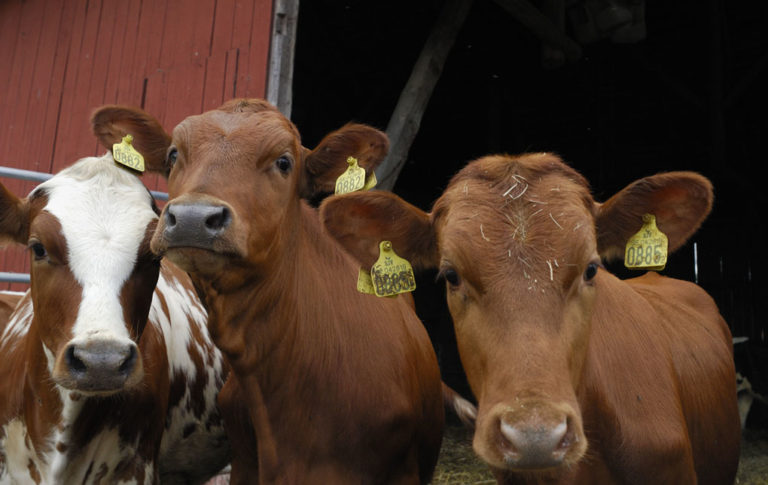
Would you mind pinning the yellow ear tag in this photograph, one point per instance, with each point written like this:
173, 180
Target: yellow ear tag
125, 154
391, 274
353, 179
364, 282
648, 248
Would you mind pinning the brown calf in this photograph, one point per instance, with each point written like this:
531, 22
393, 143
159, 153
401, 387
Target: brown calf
341, 387
580, 377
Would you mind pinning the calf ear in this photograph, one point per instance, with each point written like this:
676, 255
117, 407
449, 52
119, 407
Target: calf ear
361, 220
111, 123
679, 200
328, 160
14, 218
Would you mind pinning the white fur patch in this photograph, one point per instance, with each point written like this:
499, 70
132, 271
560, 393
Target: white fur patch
19, 453
102, 248
184, 311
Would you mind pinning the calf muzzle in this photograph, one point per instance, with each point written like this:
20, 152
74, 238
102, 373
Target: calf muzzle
99, 366
194, 225
532, 435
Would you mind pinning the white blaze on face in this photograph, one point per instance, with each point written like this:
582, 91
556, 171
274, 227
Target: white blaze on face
104, 211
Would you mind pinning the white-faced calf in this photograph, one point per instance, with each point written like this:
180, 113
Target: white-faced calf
108, 374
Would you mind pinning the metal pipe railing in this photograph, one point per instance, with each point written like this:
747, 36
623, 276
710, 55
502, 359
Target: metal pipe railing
20, 174
14, 277
17, 173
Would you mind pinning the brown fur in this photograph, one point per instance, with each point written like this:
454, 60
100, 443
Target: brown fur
341, 387
640, 370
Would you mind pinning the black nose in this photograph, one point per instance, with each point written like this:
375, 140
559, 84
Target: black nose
195, 225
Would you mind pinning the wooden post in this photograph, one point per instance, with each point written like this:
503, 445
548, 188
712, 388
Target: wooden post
406, 118
281, 52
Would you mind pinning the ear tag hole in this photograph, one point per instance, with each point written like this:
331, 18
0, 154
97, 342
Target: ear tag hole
647, 250
126, 155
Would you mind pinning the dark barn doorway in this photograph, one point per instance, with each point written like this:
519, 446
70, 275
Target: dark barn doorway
690, 96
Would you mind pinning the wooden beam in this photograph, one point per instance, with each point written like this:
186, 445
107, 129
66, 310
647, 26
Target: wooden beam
541, 27
281, 53
406, 118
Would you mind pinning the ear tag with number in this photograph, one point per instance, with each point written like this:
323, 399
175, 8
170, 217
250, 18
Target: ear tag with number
352, 180
391, 274
126, 155
648, 248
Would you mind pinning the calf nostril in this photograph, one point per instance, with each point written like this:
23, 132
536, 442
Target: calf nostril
218, 220
170, 219
73, 362
130, 360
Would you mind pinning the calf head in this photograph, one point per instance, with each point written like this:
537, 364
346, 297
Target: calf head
92, 271
236, 175
519, 241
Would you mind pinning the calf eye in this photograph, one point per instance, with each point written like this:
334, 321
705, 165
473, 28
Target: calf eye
591, 271
451, 276
284, 164
172, 156
38, 250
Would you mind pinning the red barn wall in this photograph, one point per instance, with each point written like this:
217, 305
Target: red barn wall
61, 59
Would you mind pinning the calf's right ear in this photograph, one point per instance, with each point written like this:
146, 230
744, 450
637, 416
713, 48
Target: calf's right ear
14, 218
361, 220
111, 123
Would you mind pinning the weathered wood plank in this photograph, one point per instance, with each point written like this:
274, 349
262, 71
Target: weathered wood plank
126, 24
282, 48
214, 86
79, 60
36, 145
406, 118
53, 101
10, 23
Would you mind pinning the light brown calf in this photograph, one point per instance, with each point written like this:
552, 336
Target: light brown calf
580, 377
341, 387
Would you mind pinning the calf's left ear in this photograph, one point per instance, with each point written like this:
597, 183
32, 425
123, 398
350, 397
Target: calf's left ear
14, 218
111, 123
328, 160
681, 201
359, 221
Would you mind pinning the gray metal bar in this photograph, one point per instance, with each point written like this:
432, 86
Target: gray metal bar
14, 277
17, 173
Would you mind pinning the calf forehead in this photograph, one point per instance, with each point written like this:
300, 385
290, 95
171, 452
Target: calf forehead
220, 134
533, 214
104, 213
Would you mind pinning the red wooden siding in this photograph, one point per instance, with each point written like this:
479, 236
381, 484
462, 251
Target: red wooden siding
61, 59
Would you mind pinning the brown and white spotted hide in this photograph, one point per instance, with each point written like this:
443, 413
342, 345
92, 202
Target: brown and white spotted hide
108, 374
